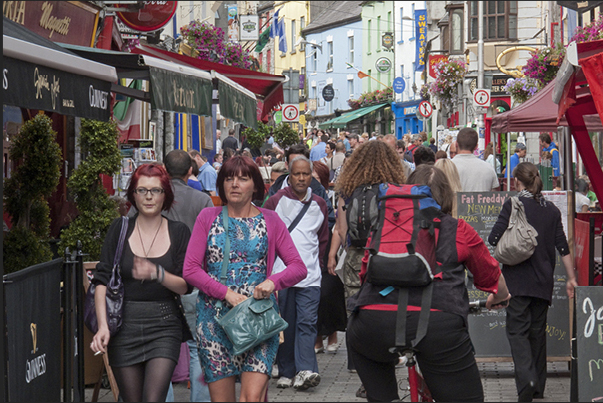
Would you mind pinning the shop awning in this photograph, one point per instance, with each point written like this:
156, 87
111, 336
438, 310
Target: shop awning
267, 87
174, 87
342, 121
39, 74
538, 114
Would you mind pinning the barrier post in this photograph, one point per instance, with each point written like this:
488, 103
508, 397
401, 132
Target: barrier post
67, 340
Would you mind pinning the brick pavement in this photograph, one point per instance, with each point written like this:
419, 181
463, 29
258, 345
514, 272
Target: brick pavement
339, 385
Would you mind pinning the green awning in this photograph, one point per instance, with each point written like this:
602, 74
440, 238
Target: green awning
236, 102
342, 121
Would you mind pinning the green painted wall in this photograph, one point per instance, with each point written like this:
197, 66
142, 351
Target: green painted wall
377, 18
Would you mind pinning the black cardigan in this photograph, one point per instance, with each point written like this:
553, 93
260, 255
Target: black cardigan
534, 277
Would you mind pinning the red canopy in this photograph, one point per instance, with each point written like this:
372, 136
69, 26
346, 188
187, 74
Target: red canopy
538, 114
267, 86
583, 95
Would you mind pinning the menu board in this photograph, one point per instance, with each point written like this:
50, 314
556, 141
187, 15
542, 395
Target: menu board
487, 330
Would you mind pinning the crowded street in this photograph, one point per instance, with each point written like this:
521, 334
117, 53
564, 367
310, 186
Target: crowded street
303, 201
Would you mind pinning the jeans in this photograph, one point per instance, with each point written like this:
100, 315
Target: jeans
299, 307
199, 391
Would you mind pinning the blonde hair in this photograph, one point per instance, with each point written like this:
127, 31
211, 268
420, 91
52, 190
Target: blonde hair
371, 163
452, 174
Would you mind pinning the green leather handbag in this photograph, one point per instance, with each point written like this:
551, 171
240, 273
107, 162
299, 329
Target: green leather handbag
251, 322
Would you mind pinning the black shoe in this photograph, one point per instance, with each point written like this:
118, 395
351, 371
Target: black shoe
527, 393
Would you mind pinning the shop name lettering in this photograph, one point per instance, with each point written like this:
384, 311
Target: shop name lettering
41, 82
183, 97
35, 368
53, 23
422, 30
98, 98
14, 11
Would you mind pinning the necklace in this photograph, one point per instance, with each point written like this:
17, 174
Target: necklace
146, 253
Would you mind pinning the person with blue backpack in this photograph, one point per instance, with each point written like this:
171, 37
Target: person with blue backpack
413, 294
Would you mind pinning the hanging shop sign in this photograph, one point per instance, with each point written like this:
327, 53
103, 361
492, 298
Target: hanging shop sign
72, 22
383, 65
152, 16
236, 105
233, 23
328, 93
34, 86
250, 28
399, 85
387, 40
421, 37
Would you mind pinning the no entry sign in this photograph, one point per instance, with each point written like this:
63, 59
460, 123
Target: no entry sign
425, 109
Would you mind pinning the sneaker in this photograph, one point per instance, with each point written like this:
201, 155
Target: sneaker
306, 379
284, 383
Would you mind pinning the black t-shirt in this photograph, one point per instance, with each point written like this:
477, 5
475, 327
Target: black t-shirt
230, 142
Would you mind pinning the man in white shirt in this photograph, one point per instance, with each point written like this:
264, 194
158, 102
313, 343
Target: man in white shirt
218, 141
306, 216
476, 175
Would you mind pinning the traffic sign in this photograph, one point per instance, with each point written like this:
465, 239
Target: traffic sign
425, 109
290, 113
399, 85
481, 97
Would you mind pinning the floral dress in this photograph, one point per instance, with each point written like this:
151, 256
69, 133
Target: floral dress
247, 269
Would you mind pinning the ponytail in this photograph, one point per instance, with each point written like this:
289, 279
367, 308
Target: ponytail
528, 174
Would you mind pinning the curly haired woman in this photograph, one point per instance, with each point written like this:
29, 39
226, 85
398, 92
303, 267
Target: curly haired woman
373, 162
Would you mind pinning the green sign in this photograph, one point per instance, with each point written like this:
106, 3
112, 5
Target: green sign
180, 93
237, 105
383, 65
278, 117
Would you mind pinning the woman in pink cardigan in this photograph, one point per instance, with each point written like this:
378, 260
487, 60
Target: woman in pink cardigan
256, 237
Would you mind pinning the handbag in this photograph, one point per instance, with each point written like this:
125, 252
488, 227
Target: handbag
251, 322
518, 242
115, 292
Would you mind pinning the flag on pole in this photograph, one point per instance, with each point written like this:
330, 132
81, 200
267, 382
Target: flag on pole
362, 75
282, 36
274, 26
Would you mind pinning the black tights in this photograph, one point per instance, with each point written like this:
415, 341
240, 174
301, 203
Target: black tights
145, 382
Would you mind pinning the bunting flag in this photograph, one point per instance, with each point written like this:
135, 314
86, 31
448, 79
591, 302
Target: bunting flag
282, 37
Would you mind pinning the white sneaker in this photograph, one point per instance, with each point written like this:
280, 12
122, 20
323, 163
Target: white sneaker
284, 383
306, 379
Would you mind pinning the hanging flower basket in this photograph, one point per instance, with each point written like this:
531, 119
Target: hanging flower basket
544, 64
521, 89
449, 74
372, 98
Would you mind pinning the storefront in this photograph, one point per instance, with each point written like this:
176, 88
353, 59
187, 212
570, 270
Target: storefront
350, 120
407, 120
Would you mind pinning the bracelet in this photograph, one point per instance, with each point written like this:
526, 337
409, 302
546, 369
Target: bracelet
162, 277
153, 277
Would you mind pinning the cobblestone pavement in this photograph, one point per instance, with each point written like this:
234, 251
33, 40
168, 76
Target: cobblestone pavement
340, 385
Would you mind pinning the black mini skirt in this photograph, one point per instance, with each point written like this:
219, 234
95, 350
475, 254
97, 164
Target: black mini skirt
150, 329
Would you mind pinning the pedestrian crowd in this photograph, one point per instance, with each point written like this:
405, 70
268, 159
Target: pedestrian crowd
282, 225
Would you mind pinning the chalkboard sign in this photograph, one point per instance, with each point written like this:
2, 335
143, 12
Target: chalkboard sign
488, 330
589, 339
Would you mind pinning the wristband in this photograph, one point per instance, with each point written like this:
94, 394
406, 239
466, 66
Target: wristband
154, 276
160, 277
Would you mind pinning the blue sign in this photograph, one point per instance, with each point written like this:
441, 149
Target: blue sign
399, 85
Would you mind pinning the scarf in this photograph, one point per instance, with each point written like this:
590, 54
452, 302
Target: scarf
527, 194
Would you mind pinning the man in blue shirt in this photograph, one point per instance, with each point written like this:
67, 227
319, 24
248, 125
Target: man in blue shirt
520, 152
207, 173
319, 150
546, 144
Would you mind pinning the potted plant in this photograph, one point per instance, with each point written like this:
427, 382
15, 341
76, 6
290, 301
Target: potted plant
449, 74
521, 89
285, 136
544, 64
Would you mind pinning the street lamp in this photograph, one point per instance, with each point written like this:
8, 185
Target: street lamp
301, 41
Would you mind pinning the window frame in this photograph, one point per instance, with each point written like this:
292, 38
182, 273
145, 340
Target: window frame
351, 49
473, 15
293, 36
302, 25
451, 31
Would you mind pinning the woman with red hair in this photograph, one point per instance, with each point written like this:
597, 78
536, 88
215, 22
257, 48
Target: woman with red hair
145, 351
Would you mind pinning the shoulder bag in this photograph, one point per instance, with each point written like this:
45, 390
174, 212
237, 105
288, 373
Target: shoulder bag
251, 322
518, 242
115, 292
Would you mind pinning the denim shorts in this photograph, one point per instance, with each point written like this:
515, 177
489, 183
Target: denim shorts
150, 329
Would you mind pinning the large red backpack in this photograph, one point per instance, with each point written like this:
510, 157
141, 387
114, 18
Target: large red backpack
402, 248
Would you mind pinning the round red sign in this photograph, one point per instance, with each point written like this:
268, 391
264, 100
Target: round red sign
153, 15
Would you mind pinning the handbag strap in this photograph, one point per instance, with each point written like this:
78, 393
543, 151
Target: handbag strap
301, 214
122, 239
226, 254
